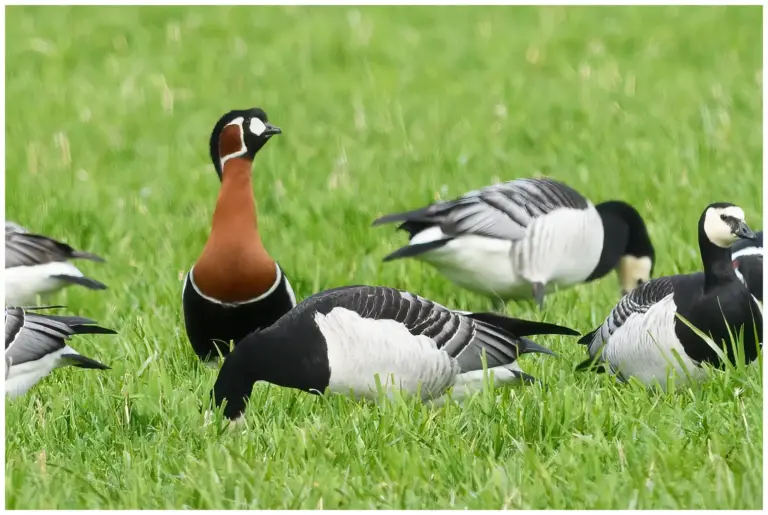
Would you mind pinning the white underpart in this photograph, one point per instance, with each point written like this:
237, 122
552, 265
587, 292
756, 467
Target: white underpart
717, 230
560, 248
24, 283
362, 349
24, 376
646, 347
632, 269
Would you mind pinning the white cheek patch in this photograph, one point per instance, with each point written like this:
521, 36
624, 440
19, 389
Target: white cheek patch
257, 126
631, 269
717, 230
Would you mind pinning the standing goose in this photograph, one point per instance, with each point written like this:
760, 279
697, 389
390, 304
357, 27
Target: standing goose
235, 287
342, 338
642, 331
39, 265
747, 258
521, 238
35, 344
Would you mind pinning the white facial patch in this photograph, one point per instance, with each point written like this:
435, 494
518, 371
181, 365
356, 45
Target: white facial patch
633, 270
257, 126
718, 230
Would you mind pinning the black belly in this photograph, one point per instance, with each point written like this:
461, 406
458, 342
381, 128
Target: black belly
211, 325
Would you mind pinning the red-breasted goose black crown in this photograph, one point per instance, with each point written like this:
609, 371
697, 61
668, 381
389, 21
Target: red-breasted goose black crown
342, 339
39, 265
235, 287
643, 333
523, 238
36, 344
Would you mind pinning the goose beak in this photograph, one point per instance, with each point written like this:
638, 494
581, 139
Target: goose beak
744, 232
271, 130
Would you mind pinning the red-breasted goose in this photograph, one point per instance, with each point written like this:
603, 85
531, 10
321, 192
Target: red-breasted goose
235, 287
523, 238
642, 334
39, 265
342, 339
36, 344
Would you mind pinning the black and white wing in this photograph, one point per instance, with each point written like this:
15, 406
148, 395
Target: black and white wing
462, 335
26, 249
637, 301
30, 336
748, 263
499, 211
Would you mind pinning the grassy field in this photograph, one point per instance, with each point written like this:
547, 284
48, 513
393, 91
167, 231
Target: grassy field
108, 113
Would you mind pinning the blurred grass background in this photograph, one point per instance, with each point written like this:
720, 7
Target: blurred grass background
108, 113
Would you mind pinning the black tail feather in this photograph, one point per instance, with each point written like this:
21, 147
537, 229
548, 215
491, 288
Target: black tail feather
415, 250
519, 327
91, 284
416, 215
78, 360
591, 365
527, 346
77, 254
587, 338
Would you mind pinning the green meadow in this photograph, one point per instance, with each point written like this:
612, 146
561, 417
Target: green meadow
108, 114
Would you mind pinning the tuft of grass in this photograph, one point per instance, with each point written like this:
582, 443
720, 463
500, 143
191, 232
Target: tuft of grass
108, 112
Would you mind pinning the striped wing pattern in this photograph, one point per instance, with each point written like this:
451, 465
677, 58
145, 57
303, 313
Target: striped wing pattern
455, 333
504, 210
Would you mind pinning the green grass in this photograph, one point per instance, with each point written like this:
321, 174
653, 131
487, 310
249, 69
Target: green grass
108, 113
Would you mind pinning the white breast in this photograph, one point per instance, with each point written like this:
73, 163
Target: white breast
562, 247
646, 347
360, 349
24, 283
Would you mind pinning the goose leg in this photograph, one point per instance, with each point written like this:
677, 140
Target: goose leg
538, 294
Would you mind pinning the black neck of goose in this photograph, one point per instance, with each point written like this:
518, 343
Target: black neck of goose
615, 238
718, 266
243, 367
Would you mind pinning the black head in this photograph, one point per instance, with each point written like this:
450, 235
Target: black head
240, 133
627, 246
723, 224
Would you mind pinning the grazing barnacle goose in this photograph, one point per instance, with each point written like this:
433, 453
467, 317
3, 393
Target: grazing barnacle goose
39, 265
522, 238
642, 331
342, 338
35, 344
747, 258
235, 287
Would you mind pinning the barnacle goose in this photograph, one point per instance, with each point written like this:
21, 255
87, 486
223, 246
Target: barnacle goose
341, 339
35, 344
523, 238
39, 265
235, 286
643, 333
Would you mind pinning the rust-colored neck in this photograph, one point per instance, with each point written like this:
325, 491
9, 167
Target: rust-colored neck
234, 265
235, 208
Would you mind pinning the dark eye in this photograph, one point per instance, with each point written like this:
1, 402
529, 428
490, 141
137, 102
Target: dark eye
639, 282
